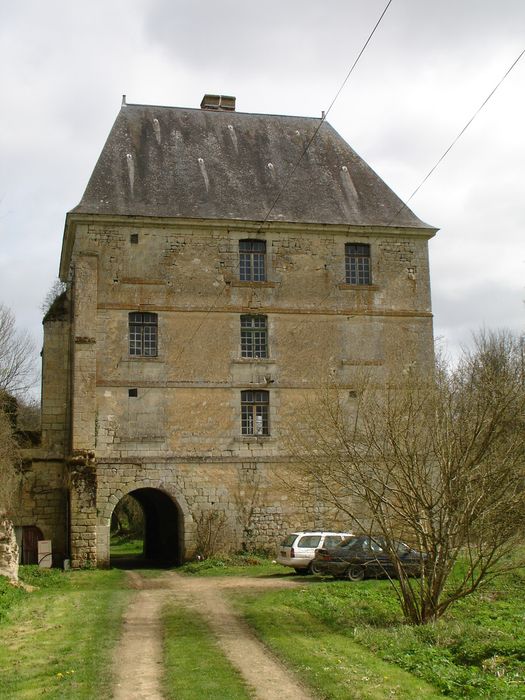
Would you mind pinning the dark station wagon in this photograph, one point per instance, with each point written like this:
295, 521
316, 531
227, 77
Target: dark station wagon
366, 556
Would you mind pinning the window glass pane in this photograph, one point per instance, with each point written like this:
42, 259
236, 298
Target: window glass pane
258, 267
357, 263
253, 336
254, 413
290, 539
252, 255
245, 269
142, 332
309, 541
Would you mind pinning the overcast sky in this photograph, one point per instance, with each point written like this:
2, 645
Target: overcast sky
65, 66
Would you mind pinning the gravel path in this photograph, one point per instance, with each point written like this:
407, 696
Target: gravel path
138, 660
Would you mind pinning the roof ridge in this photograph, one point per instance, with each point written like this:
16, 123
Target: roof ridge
218, 111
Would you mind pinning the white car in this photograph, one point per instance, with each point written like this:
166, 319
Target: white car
298, 548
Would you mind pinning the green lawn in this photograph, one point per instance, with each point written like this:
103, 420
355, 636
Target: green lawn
57, 641
339, 633
195, 667
125, 547
346, 640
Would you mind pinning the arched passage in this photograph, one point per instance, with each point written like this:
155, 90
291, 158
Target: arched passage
163, 528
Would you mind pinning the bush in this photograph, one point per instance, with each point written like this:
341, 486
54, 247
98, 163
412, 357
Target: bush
243, 559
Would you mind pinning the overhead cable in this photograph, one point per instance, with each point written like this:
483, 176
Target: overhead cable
457, 137
325, 114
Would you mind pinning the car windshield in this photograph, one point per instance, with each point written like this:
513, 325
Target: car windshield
348, 542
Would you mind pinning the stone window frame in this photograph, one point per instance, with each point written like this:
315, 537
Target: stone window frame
255, 413
358, 264
252, 260
143, 334
254, 336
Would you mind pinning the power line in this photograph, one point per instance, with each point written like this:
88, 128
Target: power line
325, 115
291, 174
456, 139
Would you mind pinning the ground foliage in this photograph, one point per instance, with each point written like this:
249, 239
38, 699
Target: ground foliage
476, 650
241, 563
194, 664
56, 639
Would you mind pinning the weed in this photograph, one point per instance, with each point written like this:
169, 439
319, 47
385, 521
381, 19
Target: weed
243, 563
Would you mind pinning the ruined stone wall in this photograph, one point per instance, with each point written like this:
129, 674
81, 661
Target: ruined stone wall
8, 549
178, 429
42, 500
55, 380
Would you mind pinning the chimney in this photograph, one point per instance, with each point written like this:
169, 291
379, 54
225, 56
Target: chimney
224, 103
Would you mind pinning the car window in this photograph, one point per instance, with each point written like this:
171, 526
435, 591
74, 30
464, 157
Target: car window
332, 541
290, 539
348, 542
402, 548
309, 541
375, 546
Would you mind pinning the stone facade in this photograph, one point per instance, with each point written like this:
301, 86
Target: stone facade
167, 427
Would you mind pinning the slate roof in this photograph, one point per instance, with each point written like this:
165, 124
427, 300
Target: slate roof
195, 163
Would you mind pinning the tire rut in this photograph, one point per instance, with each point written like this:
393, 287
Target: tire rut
138, 660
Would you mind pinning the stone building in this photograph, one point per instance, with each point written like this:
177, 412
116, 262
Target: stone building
219, 266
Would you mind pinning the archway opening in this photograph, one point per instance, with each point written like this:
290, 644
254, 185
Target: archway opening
156, 530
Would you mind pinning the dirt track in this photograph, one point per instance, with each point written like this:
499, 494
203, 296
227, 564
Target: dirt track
138, 660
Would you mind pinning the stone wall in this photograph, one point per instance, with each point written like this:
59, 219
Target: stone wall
257, 499
42, 500
171, 424
55, 377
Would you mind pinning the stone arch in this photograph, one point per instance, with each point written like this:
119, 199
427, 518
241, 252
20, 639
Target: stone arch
166, 519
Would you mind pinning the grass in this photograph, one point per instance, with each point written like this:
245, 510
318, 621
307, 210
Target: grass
333, 665
343, 639
348, 632
235, 565
195, 667
125, 547
57, 641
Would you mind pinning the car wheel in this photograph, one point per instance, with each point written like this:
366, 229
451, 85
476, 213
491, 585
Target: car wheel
314, 568
355, 573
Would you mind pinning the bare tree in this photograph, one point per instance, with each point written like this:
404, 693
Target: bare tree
17, 375
17, 355
57, 288
9, 480
8, 460
436, 461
